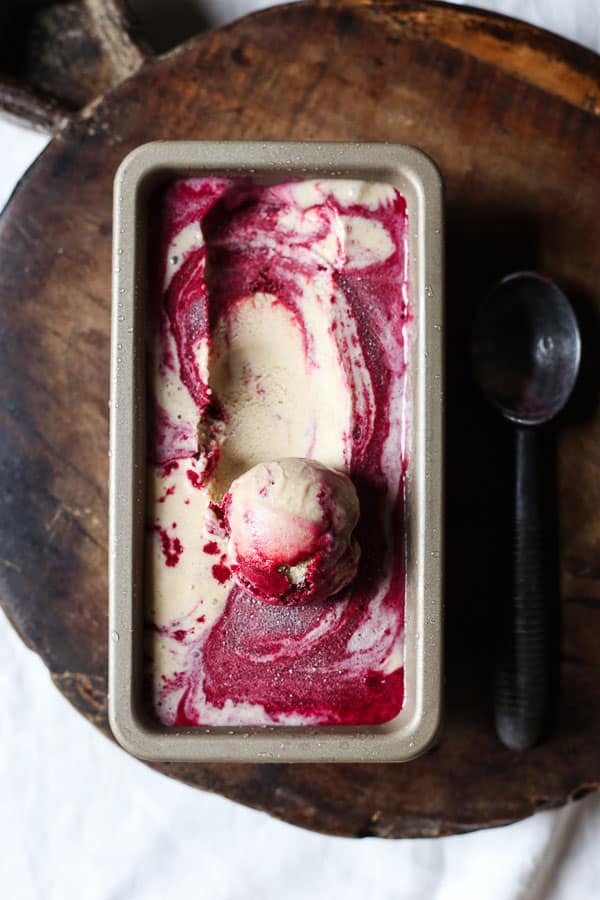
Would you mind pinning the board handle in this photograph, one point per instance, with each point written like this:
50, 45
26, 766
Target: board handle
75, 54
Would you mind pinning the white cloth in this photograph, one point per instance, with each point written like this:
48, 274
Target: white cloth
81, 819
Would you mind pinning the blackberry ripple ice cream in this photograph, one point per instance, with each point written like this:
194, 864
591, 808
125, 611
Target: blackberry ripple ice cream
277, 344
290, 524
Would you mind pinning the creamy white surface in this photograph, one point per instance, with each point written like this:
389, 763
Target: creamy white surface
188, 239
277, 404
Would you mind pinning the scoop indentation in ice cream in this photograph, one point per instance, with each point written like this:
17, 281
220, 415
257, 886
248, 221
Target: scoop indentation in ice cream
290, 524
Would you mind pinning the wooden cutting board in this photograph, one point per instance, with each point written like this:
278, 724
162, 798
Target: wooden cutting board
511, 116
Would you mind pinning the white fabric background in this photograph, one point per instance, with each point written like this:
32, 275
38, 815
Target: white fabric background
81, 819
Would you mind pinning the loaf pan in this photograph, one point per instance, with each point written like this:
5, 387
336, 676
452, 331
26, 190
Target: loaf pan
416, 726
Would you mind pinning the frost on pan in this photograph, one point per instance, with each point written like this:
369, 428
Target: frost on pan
278, 329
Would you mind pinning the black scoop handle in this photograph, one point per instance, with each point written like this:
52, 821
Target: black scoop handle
523, 696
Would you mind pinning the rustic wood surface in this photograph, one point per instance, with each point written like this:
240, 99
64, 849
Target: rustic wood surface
510, 115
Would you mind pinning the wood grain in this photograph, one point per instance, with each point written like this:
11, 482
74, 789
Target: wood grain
519, 154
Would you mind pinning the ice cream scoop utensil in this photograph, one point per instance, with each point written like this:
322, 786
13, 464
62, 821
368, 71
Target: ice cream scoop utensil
526, 352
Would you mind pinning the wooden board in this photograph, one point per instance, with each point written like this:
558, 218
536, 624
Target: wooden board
510, 115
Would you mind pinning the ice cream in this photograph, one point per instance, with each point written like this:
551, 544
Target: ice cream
290, 524
278, 329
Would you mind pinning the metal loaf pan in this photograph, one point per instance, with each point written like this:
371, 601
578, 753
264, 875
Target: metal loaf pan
413, 730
